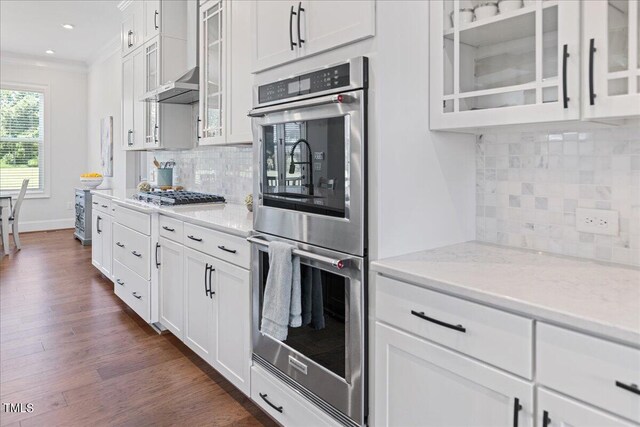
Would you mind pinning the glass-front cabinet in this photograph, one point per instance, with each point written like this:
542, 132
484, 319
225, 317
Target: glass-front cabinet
611, 59
508, 62
151, 82
212, 73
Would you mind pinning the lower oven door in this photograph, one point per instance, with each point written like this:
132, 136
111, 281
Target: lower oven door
324, 358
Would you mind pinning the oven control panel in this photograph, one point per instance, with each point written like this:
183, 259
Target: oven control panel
317, 81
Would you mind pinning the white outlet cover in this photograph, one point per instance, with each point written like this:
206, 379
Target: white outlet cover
597, 221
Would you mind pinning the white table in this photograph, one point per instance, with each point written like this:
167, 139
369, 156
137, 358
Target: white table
5, 211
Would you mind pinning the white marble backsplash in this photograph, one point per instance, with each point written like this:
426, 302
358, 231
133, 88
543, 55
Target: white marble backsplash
226, 171
528, 186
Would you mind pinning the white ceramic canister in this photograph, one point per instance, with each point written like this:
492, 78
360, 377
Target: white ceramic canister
529, 3
508, 5
465, 16
485, 10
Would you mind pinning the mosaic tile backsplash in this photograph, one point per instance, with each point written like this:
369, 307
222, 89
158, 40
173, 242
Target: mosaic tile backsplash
528, 186
226, 171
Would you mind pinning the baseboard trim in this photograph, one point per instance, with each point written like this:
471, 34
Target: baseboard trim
53, 224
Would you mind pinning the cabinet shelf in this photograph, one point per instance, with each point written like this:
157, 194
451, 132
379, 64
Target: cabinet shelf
550, 82
508, 26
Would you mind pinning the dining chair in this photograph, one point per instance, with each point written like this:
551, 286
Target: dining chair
15, 212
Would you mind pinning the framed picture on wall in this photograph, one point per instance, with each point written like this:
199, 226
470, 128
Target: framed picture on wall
106, 145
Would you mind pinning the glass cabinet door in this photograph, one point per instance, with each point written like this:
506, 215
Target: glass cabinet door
152, 81
515, 56
212, 74
612, 59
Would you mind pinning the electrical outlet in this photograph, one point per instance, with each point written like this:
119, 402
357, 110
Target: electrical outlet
597, 221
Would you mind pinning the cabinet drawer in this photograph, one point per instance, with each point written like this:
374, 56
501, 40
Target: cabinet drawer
501, 339
138, 221
133, 290
293, 409
590, 369
132, 249
172, 229
102, 204
228, 248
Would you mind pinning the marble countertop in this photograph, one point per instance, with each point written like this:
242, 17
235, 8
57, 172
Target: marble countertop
600, 298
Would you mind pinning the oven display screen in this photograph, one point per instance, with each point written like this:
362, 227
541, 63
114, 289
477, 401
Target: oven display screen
318, 81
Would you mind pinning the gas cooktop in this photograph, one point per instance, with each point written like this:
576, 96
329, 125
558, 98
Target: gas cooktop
174, 198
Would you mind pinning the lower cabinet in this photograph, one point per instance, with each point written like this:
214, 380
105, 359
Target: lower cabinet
171, 285
421, 384
101, 250
556, 411
198, 306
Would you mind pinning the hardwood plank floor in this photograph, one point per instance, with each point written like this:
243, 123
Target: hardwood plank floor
70, 347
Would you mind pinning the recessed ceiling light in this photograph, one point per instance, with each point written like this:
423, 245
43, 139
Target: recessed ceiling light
67, 26
50, 52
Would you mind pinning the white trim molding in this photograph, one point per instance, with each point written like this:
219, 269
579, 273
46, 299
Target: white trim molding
36, 61
51, 224
109, 49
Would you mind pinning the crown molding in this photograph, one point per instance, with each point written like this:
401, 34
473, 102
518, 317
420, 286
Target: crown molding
38, 61
124, 4
109, 49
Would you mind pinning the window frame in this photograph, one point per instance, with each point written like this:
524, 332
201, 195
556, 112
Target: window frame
45, 192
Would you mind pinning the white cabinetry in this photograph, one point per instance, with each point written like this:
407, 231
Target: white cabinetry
420, 384
225, 77
198, 303
171, 285
133, 111
284, 31
131, 30
101, 221
611, 60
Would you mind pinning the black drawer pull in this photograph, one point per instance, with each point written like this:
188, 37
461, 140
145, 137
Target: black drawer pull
164, 227
120, 244
633, 388
264, 397
233, 251
104, 206
136, 295
95, 203
545, 419
197, 239
119, 282
134, 253
421, 315
157, 247
517, 407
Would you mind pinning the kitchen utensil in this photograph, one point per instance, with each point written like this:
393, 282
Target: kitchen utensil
485, 10
165, 177
156, 163
508, 5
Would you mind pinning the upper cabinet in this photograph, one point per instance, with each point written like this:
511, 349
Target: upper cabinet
132, 27
225, 76
284, 31
611, 59
166, 17
523, 63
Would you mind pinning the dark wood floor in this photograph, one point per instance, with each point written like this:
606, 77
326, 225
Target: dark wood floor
71, 348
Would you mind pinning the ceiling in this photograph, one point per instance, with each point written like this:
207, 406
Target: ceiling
32, 27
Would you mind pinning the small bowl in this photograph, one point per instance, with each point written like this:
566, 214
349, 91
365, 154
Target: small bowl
91, 182
465, 16
509, 5
485, 10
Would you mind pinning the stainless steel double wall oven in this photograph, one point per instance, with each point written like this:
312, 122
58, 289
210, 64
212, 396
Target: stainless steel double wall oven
310, 191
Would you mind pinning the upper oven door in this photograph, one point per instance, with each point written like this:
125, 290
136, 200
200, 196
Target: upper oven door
309, 158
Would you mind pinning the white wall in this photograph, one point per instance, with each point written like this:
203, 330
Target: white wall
67, 133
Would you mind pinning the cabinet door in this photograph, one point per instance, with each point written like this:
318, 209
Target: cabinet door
96, 240
139, 108
152, 19
558, 411
151, 82
106, 242
274, 29
172, 289
611, 61
232, 320
127, 102
131, 29
212, 72
331, 23
421, 384
520, 66
239, 78
198, 303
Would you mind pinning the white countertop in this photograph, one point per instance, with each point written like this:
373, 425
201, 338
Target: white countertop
600, 298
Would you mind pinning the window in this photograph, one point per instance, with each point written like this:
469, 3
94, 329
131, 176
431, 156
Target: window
21, 139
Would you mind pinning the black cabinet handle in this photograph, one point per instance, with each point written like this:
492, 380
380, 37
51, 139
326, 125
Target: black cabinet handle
565, 55
155, 20
264, 397
211, 270
157, 247
136, 295
545, 419
421, 315
104, 206
197, 239
291, 28
300, 10
517, 407
206, 270
95, 203
592, 50
233, 251
164, 227
134, 253
198, 127
633, 388
98, 219
119, 282
120, 244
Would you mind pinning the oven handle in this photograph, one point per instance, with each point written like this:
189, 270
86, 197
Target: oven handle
334, 99
337, 263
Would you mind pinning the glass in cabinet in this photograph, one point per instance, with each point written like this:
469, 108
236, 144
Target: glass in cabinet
152, 81
212, 74
497, 67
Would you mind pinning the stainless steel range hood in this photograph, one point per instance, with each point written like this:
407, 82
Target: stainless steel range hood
183, 91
